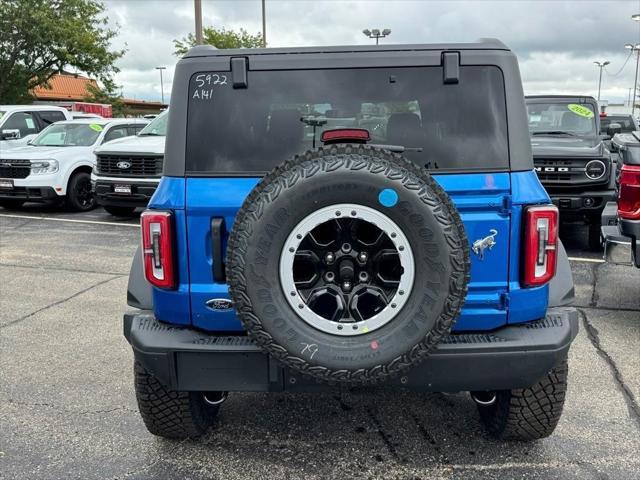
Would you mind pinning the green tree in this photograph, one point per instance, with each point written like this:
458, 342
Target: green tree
219, 38
39, 38
107, 94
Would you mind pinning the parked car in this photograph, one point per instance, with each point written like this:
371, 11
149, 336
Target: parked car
127, 171
56, 165
427, 261
20, 123
570, 157
621, 123
621, 218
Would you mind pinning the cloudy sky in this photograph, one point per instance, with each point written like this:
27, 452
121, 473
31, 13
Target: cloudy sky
556, 41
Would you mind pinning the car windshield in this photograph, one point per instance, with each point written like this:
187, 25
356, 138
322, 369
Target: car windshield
69, 135
281, 113
561, 118
625, 121
157, 127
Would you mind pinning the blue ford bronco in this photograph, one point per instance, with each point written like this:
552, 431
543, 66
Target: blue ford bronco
337, 217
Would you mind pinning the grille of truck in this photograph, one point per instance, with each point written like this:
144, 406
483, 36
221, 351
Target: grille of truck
571, 172
130, 165
15, 168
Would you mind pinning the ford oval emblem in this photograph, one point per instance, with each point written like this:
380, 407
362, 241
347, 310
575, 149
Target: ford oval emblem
123, 165
219, 304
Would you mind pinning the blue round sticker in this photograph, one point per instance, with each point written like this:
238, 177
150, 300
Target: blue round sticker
388, 197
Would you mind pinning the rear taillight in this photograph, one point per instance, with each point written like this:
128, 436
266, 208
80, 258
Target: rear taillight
629, 198
540, 245
157, 248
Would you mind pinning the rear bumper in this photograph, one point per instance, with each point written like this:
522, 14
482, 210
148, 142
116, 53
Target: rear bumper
621, 238
141, 192
511, 357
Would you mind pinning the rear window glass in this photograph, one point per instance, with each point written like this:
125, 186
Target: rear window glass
625, 122
249, 131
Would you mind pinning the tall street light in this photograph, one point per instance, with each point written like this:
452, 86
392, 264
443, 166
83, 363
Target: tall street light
197, 5
636, 18
375, 33
264, 25
601, 65
161, 84
634, 48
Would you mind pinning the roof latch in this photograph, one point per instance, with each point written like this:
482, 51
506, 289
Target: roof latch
239, 72
451, 67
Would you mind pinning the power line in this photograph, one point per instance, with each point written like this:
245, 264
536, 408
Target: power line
621, 68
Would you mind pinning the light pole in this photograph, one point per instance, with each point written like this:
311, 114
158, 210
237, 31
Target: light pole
197, 5
634, 48
161, 84
636, 18
601, 65
375, 33
264, 25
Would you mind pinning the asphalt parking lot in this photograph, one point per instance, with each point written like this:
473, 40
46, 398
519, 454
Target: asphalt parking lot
67, 406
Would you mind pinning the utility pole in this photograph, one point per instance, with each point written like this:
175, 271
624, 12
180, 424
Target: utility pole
198, 7
634, 48
375, 33
601, 65
161, 83
264, 26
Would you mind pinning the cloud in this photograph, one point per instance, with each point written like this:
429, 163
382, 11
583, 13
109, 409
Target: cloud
556, 41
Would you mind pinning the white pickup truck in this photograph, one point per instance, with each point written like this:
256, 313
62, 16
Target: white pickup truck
20, 123
127, 171
56, 165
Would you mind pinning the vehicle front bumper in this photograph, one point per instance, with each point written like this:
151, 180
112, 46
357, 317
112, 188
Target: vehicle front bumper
141, 191
29, 194
515, 356
587, 203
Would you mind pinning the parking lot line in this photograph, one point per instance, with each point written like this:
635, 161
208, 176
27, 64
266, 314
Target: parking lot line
69, 220
587, 260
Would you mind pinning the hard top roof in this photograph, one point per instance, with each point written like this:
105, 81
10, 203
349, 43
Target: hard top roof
559, 97
31, 107
105, 121
210, 51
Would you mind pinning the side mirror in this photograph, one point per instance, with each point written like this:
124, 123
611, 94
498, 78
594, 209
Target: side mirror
10, 134
613, 129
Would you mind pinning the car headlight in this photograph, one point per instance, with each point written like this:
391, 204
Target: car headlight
39, 167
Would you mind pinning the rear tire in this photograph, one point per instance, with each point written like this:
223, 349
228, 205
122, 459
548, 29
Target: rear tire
10, 204
168, 413
80, 198
119, 211
528, 413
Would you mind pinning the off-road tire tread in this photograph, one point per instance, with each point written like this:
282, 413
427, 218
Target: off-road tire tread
529, 413
349, 157
168, 413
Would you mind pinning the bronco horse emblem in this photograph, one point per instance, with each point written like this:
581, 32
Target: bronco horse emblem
479, 246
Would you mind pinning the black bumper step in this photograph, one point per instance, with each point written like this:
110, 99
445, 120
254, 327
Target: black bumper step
514, 356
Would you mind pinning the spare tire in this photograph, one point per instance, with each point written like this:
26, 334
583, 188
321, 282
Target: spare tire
348, 263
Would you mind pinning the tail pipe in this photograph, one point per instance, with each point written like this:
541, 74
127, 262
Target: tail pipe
484, 398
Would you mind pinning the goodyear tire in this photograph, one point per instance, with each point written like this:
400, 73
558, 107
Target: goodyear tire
348, 263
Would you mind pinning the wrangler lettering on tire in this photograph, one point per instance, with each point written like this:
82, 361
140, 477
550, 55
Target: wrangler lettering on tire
348, 263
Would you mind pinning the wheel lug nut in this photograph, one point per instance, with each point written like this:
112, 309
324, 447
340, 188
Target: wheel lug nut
329, 258
346, 248
329, 276
364, 276
362, 256
346, 285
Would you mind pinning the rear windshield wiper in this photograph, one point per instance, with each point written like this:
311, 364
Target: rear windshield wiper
396, 148
555, 132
